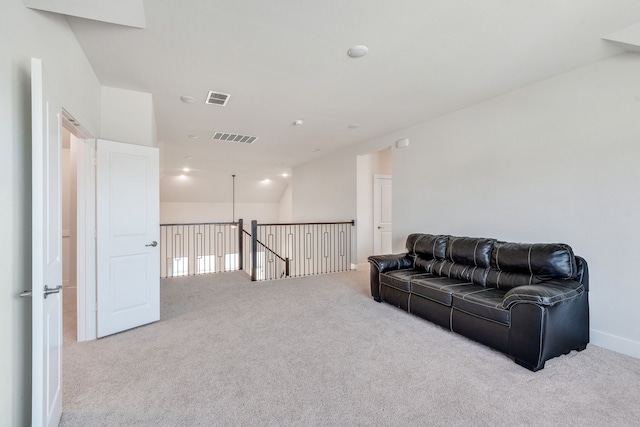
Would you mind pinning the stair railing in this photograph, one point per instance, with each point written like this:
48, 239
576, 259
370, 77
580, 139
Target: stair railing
300, 249
269, 251
200, 248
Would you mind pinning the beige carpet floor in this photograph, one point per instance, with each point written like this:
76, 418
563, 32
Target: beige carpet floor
318, 351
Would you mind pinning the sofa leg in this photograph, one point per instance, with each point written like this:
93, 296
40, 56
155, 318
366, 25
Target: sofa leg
582, 347
529, 366
378, 299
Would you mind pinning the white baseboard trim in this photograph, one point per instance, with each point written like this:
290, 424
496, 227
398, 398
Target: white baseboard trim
615, 343
363, 266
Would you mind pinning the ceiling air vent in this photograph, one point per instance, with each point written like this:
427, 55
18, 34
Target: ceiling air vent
234, 137
217, 98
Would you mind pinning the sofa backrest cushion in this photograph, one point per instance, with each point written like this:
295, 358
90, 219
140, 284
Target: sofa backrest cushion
546, 260
411, 242
517, 264
466, 258
427, 246
420, 263
468, 273
471, 251
508, 280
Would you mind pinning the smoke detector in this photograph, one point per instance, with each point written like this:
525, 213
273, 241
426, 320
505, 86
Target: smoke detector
358, 51
217, 98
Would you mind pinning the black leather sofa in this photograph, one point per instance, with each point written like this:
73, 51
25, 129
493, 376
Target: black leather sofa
529, 301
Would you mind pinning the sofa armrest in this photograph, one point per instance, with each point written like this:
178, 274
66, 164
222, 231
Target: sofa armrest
391, 262
547, 293
382, 263
583, 272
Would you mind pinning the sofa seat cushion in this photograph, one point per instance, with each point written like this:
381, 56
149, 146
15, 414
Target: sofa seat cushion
485, 303
441, 289
401, 279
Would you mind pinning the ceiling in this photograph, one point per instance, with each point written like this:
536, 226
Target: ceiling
286, 60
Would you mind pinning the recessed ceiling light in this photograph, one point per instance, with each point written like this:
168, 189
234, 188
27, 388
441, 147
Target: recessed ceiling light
266, 180
188, 157
186, 169
188, 99
285, 174
358, 51
353, 126
191, 136
183, 176
315, 149
298, 122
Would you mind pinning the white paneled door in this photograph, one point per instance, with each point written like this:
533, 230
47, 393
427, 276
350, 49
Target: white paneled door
382, 224
128, 230
46, 283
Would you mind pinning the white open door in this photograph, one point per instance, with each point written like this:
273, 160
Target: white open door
382, 225
128, 230
46, 288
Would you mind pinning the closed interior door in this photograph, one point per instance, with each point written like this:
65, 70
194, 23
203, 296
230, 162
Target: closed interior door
128, 231
382, 223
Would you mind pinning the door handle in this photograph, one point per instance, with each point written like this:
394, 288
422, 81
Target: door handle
26, 293
153, 244
48, 291
379, 227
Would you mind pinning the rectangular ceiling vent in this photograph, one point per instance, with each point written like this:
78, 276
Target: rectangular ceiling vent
217, 98
234, 137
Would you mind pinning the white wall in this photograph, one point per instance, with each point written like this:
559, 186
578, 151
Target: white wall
128, 116
554, 161
25, 33
190, 212
286, 206
324, 190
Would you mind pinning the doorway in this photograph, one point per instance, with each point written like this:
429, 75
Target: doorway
368, 166
78, 225
69, 246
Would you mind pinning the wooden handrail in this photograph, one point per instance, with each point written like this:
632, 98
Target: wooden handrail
199, 223
264, 246
352, 222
